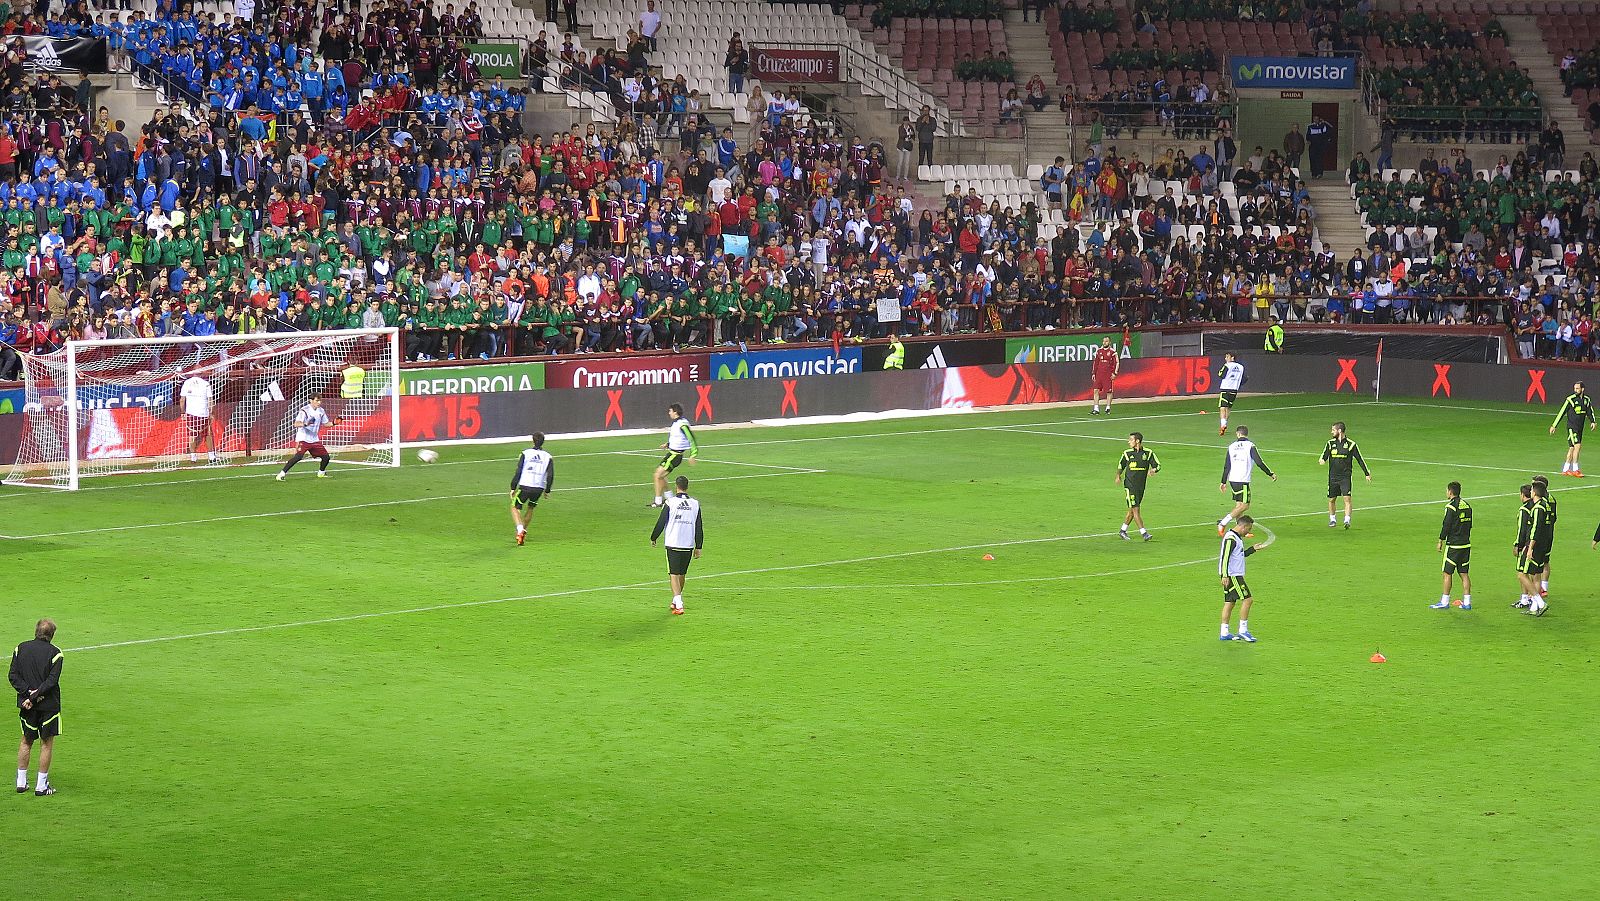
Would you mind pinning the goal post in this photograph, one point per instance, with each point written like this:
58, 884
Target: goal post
158, 404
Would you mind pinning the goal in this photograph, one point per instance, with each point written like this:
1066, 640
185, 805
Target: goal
106, 407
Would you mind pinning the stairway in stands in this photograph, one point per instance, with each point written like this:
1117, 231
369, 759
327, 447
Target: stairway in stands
1047, 133
1030, 55
1527, 47
1339, 226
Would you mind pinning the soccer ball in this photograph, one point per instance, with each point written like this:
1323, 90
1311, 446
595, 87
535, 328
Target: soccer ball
428, 456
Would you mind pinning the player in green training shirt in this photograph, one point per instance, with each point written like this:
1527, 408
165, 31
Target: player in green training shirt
1455, 539
1535, 554
1577, 410
1132, 471
1341, 455
1524, 532
1549, 501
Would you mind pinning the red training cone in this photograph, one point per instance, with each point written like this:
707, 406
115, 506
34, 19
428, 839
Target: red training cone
1379, 658
988, 556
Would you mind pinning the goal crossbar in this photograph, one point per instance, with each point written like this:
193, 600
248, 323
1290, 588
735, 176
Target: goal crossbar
118, 405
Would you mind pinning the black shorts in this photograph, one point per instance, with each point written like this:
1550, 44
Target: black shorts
528, 497
38, 724
1535, 561
678, 561
1574, 436
1135, 496
1458, 559
1338, 488
672, 460
1241, 492
1237, 590
1227, 399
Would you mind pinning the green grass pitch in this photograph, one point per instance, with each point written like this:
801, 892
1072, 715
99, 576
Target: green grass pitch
369, 691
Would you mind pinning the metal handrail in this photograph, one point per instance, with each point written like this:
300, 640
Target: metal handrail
892, 76
1461, 117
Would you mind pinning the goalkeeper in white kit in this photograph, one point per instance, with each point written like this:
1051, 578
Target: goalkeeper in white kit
308, 425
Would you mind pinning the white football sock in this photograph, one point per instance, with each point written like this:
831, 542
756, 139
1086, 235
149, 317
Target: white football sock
1566, 467
1144, 531
1466, 599
677, 600
1227, 519
1332, 518
1544, 585
1347, 520
1444, 599
1124, 528
521, 528
1097, 408
22, 778
44, 780
1224, 628
1244, 625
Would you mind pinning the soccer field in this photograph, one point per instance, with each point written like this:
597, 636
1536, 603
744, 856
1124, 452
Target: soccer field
359, 686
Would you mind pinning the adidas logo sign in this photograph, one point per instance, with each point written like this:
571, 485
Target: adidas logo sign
44, 55
935, 358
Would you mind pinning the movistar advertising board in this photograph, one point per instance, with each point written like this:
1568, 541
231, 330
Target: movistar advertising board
1329, 73
791, 363
1073, 347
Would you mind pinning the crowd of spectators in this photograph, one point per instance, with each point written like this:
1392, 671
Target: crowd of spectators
1149, 12
1510, 230
1458, 98
440, 215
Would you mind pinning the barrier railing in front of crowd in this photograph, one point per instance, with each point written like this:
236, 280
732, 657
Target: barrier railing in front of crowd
1443, 122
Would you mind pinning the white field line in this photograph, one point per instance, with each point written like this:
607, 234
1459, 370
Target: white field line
1452, 406
709, 460
974, 584
391, 503
458, 605
115, 486
1159, 444
112, 485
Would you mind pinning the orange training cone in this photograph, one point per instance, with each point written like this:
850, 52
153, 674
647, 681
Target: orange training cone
988, 556
1378, 658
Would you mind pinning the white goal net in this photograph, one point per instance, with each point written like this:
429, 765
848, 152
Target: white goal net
141, 405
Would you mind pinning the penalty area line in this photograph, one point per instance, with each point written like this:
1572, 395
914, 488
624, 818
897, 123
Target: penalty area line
1024, 580
354, 468
392, 503
792, 567
1123, 438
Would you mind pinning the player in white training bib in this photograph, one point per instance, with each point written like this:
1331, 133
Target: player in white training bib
534, 477
1232, 378
1238, 465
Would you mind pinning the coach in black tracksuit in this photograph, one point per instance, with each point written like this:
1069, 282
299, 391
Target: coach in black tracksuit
36, 675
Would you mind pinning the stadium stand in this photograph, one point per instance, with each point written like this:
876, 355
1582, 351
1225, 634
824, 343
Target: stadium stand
963, 59
417, 200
